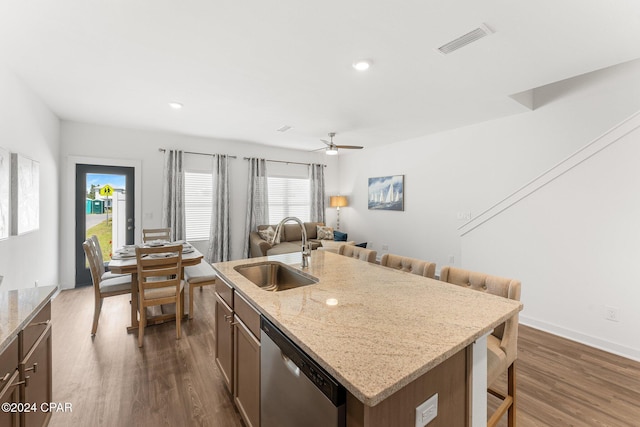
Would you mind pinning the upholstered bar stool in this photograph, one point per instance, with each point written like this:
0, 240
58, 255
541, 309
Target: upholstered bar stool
410, 265
502, 344
358, 253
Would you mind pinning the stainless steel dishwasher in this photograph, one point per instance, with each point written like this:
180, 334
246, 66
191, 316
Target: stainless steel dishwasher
294, 390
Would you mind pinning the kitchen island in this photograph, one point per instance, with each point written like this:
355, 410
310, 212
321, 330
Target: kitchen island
390, 338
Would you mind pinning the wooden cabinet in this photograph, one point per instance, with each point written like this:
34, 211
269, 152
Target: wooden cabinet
37, 367
9, 383
246, 374
224, 341
26, 374
238, 350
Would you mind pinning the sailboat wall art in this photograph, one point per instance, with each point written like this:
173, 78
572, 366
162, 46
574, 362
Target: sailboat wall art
386, 193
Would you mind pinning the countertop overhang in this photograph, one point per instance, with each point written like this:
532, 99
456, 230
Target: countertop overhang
387, 327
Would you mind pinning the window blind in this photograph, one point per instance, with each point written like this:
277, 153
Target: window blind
198, 190
288, 197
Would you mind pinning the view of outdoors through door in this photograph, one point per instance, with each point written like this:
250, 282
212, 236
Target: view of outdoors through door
104, 207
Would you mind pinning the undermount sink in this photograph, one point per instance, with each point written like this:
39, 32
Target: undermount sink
275, 276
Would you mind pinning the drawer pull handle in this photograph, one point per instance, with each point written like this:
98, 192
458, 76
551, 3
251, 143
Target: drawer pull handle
227, 317
34, 368
235, 323
6, 377
25, 382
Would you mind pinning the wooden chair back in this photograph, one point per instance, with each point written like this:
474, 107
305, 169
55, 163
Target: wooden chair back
150, 234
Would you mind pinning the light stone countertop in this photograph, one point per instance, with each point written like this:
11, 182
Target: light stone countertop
18, 308
388, 328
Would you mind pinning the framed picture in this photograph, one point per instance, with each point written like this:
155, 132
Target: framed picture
5, 185
25, 194
386, 193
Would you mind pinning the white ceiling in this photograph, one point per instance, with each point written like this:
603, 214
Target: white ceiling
243, 68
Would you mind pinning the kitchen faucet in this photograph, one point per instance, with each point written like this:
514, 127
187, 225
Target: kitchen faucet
305, 249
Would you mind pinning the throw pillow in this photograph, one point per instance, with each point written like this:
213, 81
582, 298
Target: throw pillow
339, 236
325, 233
267, 234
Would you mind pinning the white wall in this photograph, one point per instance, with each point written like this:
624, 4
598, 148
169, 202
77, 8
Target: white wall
28, 127
575, 244
469, 169
122, 146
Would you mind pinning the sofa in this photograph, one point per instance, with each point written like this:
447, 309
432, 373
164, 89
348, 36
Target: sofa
290, 239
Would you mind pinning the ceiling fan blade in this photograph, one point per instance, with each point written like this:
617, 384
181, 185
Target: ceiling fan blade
326, 142
351, 147
317, 149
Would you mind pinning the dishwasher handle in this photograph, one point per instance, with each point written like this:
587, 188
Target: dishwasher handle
290, 365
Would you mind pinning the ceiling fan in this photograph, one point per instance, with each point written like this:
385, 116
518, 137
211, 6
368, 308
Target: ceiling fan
332, 149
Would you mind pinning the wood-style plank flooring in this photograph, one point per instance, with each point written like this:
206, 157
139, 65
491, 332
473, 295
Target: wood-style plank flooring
111, 382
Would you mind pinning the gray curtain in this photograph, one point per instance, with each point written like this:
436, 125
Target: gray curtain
219, 238
173, 194
316, 186
257, 200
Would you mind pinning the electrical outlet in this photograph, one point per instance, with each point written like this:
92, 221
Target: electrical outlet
36, 283
427, 411
611, 313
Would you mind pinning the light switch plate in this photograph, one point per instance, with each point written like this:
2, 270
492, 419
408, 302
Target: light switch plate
427, 411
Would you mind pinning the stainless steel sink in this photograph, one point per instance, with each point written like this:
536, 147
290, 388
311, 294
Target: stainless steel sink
275, 276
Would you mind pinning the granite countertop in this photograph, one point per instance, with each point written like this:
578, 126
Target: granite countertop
388, 327
18, 308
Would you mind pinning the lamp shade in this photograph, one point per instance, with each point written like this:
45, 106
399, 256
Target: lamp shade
338, 201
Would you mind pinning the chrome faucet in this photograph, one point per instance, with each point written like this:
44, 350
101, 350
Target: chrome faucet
305, 250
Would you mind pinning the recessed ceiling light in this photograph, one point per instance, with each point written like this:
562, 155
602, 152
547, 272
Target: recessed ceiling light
362, 64
175, 105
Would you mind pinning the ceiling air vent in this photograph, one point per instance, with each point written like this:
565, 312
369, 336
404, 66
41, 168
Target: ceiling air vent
464, 40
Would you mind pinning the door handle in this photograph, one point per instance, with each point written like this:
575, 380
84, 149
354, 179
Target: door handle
129, 228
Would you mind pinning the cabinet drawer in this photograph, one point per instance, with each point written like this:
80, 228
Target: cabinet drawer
249, 315
8, 362
31, 333
225, 291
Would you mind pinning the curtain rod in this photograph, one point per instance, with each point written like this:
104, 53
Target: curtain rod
287, 162
193, 152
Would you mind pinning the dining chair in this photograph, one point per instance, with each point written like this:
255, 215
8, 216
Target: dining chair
104, 273
410, 265
502, 344
198, 276
149, 234
159, 282
103, 288
358, 253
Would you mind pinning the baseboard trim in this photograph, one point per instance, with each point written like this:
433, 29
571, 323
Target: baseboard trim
591, 341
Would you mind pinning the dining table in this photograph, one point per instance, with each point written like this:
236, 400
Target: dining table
126, 264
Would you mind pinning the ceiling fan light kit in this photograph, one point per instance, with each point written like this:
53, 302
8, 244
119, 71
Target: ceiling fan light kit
332, 149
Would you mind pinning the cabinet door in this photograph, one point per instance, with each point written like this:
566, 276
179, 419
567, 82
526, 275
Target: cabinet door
246, 378
224, 341
9, 393
37, 389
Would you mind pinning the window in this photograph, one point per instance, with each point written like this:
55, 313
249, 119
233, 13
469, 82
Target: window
198, 199
288, 197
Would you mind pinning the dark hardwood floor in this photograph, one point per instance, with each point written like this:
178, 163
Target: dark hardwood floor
111, 382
